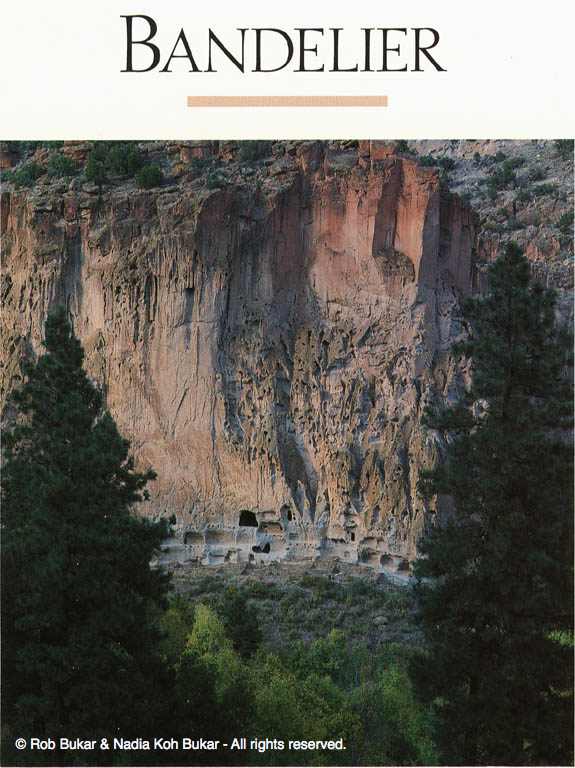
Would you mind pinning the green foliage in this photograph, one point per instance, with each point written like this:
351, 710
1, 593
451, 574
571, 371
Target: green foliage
260, 590
544, 189
396, 729
446, 164
427, 161
524, 196
176, 624
112, 158
502, 565
199, 164
208, 635
565, 224
214, 180
209, 646
564, 148
502, 177
25, 148
149, 176
79, 650
402, 147
25, 176
60, 165
96, 169
325, 689
252, 151
536, 174
241, 622
123, 158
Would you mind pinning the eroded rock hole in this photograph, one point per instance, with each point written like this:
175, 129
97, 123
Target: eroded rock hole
188, 305
273, 528
219, 537
248, 518
264, 548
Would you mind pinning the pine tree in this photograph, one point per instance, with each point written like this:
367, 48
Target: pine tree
241, 622
496, 582
78, 595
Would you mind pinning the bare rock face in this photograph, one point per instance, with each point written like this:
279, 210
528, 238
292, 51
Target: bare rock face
268, 347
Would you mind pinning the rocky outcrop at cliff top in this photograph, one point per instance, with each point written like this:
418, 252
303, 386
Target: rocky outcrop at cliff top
268, 346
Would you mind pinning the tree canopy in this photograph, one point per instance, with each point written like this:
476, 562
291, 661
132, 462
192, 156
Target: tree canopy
78, 594
497, 576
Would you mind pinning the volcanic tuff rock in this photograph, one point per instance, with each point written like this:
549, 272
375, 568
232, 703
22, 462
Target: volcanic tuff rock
268, 341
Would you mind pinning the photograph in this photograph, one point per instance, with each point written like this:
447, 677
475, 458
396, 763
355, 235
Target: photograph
287, 452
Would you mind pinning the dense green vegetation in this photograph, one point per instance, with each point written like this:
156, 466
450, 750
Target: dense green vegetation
564, 148
498, 612
293, 606
149, 176
60, 165
79, 643
324, 689
109, 159
252, 151
24, 176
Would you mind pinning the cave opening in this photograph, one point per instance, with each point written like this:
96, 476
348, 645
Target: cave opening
264, 548
248, 518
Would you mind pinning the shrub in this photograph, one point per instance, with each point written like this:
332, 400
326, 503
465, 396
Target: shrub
123, 158
524, 196
198, 165
536, 174
447, 164
96, 170
240, 621
26, 175
492, 189
544, 189
214, 180
427, 161
516, 162
565, 223
251, 151
24, 148
260, 591
112, 158
500, 178
60, 165
402, 147
149, 176
564, 148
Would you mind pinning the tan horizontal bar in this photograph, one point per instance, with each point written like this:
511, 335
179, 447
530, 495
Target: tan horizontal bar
287, 101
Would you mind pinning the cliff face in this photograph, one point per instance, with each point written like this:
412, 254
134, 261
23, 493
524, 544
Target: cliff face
268, 346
